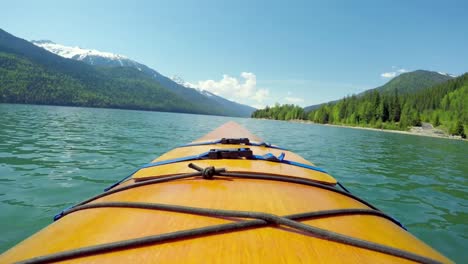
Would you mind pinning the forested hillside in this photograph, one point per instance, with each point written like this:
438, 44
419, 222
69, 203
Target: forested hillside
110, 60
23, 81
445, 105
410, 82
30, 74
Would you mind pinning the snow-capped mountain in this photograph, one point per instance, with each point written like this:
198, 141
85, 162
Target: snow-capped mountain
184, 90
74, 52
101, 58
90, 56
180, 81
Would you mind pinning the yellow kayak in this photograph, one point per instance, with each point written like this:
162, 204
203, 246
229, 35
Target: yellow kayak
227, 197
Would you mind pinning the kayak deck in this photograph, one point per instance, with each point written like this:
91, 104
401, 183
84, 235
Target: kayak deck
253, 166
272, 243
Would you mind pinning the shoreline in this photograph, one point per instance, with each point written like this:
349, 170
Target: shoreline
416, 131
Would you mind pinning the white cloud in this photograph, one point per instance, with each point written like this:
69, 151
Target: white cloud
393, 74
388, 74
243, 89
261, 95
294, 100
259, 106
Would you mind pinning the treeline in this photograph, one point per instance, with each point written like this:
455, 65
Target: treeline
280, 112
371, 108
444, 105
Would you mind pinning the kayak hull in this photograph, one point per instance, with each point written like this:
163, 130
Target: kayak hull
268, 244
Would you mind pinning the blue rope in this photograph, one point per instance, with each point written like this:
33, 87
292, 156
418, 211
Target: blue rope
169, 161
122, 180
206, 155
302, 165
234, 141
266, 157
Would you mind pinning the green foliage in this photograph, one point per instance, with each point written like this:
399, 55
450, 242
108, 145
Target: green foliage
458, 129
280, 112
436, 121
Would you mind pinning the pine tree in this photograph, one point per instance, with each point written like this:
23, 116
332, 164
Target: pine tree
459, 130
396, 107
437, 121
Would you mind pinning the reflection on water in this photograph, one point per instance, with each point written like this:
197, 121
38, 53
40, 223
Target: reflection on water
52, 157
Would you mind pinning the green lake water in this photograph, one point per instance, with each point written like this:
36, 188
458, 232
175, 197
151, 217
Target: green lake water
52, 157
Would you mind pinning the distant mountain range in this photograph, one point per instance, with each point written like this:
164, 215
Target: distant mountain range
43, 72
107, 59
405, 83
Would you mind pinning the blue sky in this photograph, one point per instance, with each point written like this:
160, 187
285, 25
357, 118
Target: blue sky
261, 52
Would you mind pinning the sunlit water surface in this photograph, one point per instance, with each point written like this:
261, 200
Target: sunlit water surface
52, 157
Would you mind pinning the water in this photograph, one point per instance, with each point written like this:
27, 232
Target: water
52, 157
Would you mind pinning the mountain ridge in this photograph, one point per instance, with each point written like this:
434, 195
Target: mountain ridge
413, 81
107, 59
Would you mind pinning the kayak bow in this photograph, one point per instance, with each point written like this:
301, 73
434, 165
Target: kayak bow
227, 197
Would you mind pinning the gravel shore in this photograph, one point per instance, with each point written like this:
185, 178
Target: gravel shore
426, 130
